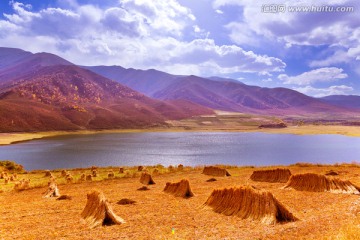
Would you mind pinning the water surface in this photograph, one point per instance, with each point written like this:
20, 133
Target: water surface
187, 148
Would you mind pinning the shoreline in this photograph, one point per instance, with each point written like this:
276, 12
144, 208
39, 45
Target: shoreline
350, 131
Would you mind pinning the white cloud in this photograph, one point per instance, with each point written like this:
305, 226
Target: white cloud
321, 92
340, 29
318, 75
138, 33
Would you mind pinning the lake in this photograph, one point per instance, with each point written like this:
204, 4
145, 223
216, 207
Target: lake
187, 148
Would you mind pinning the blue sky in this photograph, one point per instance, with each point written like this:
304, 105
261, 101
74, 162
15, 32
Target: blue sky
317, 53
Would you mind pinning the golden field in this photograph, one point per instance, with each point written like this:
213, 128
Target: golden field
158, 215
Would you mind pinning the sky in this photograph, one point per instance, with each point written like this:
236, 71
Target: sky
313, 48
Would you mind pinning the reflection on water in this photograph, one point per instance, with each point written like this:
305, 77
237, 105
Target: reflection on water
188, 148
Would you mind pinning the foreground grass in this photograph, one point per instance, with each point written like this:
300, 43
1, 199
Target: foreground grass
156, 215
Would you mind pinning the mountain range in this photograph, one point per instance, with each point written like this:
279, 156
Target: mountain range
40, 92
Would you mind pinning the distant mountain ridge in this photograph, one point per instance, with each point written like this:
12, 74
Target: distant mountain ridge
348, 101
219, 93
45, 92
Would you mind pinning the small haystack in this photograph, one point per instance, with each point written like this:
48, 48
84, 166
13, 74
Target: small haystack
331, 173
246, 202
64, 173
180, 167
3, 175
140, 168
98, 211
146, 179
215, 171
312, 182
89, 177
47, 173
126, 201
281, 175
82, 177
121, 170
155, 171
6, 180
111, 174
69, 179
22, 185
52, 191
171, 168
179, 189
94, 173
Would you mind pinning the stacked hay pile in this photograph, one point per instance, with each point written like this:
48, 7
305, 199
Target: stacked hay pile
146, 179
281, 175
52, 190
246, 202
179, 189
215, 171
22, 185
312, 182
111, 174
98, 211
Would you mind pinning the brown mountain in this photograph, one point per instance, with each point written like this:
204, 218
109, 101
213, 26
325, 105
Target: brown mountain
220, 93
43, 95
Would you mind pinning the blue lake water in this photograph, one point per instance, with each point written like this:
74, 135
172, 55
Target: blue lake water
187, 148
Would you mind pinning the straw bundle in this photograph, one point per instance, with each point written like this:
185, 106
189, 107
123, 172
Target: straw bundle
98, 211
179, 189
215, 171
52, 190
146, 179
312, 182
246, 202
274, 175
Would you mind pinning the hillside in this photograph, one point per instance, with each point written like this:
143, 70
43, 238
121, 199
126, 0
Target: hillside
219, 93
346, 101
45, 92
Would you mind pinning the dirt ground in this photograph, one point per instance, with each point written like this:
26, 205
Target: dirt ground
157, 215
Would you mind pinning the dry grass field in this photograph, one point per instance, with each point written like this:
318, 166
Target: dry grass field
158, 215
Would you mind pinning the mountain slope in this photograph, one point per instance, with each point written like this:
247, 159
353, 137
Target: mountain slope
145, 81
218, 93
49, 93
346, 101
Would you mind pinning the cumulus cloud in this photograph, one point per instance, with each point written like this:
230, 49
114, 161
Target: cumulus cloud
340, 29
132, 33
318, 75
321, 92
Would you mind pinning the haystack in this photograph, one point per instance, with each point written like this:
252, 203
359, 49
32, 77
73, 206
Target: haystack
121, 170
215, 171
89, 177
94, 173
63, 173
111, 174
98, 211
52, 190
146, 179
155, 171
179, 189
246, 202
82, 177
312, 182
22, 185
180, 167
69, 179
140, 168
281, 175
47, 173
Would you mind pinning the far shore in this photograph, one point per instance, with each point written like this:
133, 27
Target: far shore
353, 131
